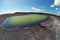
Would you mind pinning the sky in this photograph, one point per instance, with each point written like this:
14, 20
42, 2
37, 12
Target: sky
45, 6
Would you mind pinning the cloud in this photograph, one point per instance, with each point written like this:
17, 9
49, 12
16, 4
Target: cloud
58, 12
0, 13
57, 9
9, 11
36, 9
52, 6
57, 2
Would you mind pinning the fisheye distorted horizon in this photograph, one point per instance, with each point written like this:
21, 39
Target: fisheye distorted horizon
45, 6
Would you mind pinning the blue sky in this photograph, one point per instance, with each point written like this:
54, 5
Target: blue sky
46, 6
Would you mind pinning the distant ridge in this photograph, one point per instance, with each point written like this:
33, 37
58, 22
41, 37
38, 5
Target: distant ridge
5, 16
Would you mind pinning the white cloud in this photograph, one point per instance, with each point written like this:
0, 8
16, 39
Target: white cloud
52, 6
0, 13
36, 9
9, 11
58, 12
56, 9
57, 2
